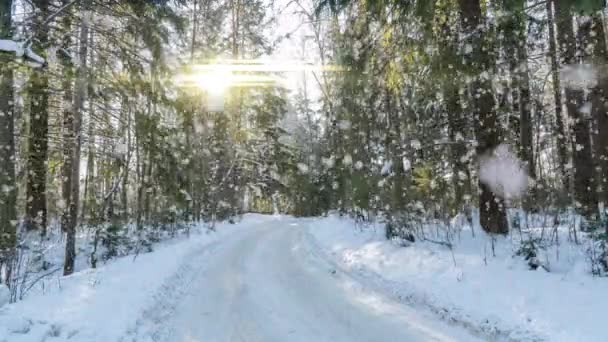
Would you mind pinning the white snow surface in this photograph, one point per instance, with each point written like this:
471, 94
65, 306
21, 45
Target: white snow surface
501, 300
262, 279
103, 304
270, 284
277, 278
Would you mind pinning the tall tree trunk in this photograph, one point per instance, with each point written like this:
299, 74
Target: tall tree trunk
149, 190
140, 167
457, 124
90, 187
194, 27
584, 193
68, 120
509, 26
517, 54
8, 187
561, 141
458, 148
150, 156
599, 110
525, 102
79, 98
492, 211
36, 210
127, 158
395, 153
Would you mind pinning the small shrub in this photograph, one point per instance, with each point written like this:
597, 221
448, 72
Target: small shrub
400, 229
114, 241
529, 250
597, 254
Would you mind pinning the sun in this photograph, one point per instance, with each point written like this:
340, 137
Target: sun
217, 76
216, 83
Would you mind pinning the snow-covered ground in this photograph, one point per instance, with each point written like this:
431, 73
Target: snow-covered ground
269, 284
104, 304
258, 280
277, 278
497, 296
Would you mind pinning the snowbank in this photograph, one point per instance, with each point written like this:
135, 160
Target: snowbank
496, 296
104, 304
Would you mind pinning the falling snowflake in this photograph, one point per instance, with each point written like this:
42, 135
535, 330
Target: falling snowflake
579, 76
348, 160
416, 145
344, 124
303, 168
503, 172
386, 168
407, 165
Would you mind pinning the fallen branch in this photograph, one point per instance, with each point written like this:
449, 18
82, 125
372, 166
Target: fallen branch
442, 243
35, 281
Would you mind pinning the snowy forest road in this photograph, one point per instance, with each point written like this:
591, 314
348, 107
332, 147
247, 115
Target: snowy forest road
267, 284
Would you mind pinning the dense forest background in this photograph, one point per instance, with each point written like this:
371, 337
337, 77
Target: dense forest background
98, 136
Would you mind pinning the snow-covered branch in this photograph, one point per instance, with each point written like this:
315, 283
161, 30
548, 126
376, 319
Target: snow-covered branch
22, 50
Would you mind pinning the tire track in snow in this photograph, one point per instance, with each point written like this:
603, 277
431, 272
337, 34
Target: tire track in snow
489, 329
153, 323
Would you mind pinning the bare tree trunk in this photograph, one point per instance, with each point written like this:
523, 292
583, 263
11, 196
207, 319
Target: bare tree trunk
492, 211
79, 98
8, 186
517, 54
395, 153
36, 210
584, 193
142, 147
140, 173
457, 123
147, 182
561, 141
509, 25
599, 98
68, 121
194, 27
89, 180
525, 102
458, 148
127, 160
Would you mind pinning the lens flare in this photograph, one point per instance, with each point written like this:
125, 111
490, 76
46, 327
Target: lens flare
217, 76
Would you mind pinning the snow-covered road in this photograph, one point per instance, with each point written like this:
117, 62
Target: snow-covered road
266, 283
